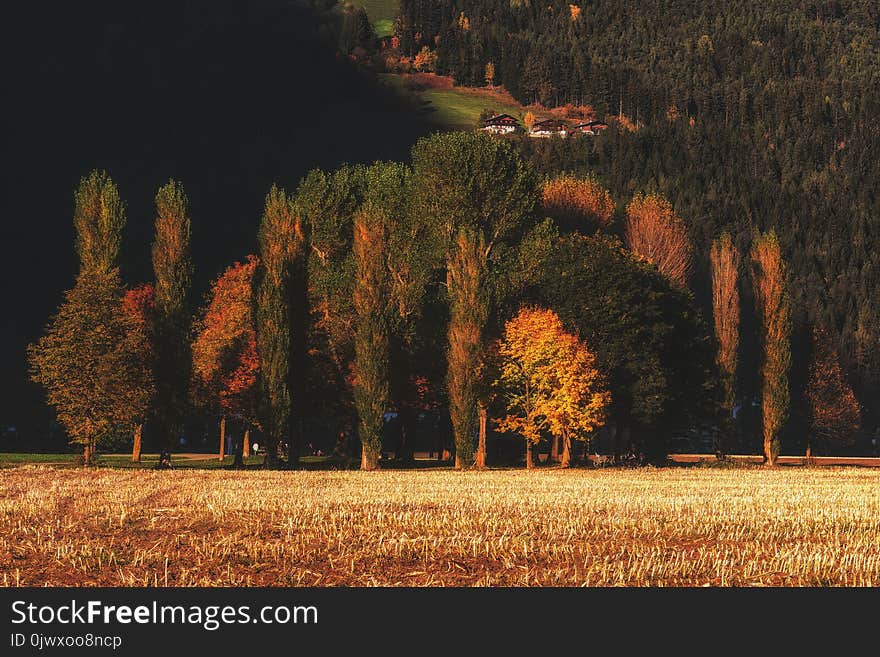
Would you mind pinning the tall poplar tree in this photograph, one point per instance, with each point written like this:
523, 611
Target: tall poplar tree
280, 242
477, 193
371, 384
773, 306
99, 218
172, 268
725, 260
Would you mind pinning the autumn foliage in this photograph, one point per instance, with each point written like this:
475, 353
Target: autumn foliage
550, 382
139, 305
225, 363
581, 204
725, 260
91, 362
773, 306
834, 410
654, 231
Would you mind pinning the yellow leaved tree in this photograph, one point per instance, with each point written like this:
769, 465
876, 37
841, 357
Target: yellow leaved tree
549, 381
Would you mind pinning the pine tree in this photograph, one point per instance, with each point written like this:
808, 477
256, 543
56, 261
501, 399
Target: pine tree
172, 268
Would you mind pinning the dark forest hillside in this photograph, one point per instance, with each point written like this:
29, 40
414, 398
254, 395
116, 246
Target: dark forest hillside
748, 114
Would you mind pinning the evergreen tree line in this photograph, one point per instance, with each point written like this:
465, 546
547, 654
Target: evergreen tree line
421, 290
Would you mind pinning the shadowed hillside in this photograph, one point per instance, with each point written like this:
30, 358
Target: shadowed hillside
225, 99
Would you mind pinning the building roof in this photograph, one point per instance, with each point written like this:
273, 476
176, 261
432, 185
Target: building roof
591, 125
500, 118
549, 124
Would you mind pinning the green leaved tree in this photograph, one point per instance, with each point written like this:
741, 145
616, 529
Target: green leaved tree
281, 243
773, 306
172, 268
477, 193
91, 361
99, 218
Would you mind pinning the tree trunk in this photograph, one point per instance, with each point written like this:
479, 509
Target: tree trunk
809, 453
369, 459
566, 450
246, 447
270, 460
554, 450
136, 448
222, 438
405, 452
769, 452
238, 453
481, 443
530, 457
87, 454
293, 446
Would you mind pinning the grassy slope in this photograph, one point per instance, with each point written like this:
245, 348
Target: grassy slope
454, 108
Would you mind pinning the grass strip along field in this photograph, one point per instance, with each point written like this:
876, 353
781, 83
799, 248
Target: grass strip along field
675, 526
179, 460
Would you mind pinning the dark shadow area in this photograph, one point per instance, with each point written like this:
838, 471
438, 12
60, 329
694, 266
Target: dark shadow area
225, 98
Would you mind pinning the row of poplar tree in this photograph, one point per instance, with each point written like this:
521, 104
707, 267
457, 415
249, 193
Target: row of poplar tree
362, 265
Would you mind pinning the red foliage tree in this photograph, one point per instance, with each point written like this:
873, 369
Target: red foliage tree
225, 361
139, 303
834, 411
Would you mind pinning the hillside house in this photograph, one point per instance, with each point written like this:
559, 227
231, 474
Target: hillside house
502, 124
590, 127
549, 128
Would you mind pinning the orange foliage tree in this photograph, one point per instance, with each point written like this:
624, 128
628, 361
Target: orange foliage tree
139, 304
225, 362
654, 231
774, 312
550, 382
725, 259
834, 410
425, 60
581, 204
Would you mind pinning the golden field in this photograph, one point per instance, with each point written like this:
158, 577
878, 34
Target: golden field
671, 527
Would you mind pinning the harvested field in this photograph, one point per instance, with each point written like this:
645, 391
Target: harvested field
674, 526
